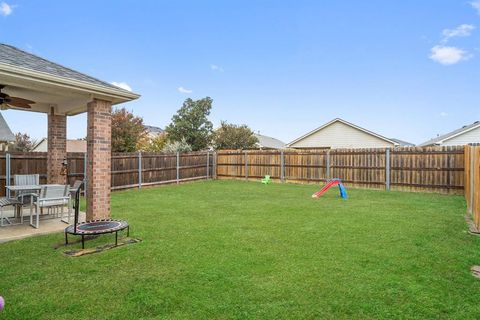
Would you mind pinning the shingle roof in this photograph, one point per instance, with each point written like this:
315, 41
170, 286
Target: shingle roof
6, 134
269, 142
446, 136
19, 58
153, 129
402, 143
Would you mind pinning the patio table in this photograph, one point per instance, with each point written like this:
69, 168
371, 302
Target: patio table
37, 188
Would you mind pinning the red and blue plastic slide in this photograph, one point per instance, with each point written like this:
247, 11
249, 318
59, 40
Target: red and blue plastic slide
331, 183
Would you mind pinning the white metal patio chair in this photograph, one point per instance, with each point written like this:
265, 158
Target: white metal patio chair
73, 191
26, 180
17, 206
51, 197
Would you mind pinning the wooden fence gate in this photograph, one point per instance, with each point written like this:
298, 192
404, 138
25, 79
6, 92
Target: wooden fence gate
472, 182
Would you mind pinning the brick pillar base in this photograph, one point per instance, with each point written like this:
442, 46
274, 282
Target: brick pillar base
57, 148
99, 136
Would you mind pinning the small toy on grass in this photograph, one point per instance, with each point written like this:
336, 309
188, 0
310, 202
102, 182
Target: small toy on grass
266, 180
2, 303
331, 183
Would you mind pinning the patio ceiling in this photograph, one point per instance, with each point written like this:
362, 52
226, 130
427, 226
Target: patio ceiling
51, 85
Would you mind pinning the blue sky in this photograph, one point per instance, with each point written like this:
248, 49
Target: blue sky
403, 68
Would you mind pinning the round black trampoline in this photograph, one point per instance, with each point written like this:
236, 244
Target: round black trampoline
93, 227
97, 227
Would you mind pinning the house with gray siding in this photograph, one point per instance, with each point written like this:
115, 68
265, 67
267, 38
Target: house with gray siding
462, 136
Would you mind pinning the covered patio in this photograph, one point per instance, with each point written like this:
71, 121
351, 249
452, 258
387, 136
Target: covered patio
29, 83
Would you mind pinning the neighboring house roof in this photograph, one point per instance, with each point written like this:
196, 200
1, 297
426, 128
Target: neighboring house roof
348, 124
440, 139
269, 142
40, 146
72, 146
6, 134
155, 130
402, 143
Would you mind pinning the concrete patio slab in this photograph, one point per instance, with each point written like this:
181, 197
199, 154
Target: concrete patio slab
47, 225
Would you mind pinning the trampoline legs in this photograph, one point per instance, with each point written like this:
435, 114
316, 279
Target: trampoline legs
83, 241
116, 238
128, 231
66, 238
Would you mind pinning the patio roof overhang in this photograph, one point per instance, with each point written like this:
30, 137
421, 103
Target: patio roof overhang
66, 96
60, 92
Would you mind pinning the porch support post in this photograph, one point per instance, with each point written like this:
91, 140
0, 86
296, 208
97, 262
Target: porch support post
57, 147
99, 131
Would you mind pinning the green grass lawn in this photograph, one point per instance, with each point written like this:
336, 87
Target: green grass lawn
226, 249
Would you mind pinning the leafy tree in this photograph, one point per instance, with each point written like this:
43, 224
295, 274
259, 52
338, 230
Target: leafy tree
232, 136
155, 144
191, 124
177, 146
23, 143
127, 131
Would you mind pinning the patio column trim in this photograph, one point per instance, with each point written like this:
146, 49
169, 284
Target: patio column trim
99, 131
57, 147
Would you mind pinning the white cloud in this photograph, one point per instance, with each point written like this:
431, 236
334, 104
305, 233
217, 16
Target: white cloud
122, 85
215, 67
476, 5
5, 9
183, 90
463, 30
443, 114
448, 55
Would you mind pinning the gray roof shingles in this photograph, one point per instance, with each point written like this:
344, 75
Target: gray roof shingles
269, 142
402, 143
153, 129
19, 58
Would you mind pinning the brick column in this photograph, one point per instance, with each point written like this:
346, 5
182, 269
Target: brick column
57, 147
99, 136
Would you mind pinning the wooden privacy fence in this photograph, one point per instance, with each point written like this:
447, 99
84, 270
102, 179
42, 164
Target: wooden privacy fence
472, 182
432, 169
437, 169
128, 169
146, 169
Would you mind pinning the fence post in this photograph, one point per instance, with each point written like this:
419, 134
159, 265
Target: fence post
7, 172
327, 165
85, 174
214, 169
178, 167
208, 164
387, 169
282, 166
139, 170
472, 177
245, 155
